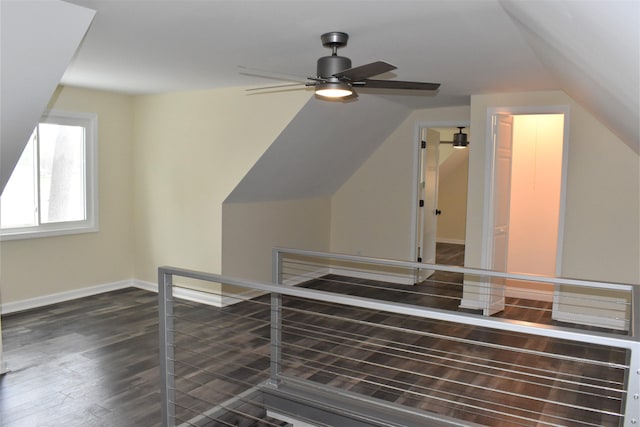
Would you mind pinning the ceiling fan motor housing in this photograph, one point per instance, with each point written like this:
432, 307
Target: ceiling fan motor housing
330, 65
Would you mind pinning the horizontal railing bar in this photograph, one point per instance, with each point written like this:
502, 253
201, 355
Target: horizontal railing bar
456, 269
446, 380
400, 384
408, 290
454, 402
381, 349
470, 341
406, 309
455, 357
218, 420
398, 290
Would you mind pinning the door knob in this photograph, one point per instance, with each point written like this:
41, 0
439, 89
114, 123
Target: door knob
438, 211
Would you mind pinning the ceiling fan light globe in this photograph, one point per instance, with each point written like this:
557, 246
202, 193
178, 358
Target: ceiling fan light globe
333, 90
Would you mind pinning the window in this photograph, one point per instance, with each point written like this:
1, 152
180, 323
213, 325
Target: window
53, 188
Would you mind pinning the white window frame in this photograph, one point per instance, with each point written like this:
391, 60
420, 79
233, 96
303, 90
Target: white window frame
90, 122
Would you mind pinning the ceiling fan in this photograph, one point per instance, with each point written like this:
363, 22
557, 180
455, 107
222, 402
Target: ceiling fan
335, 78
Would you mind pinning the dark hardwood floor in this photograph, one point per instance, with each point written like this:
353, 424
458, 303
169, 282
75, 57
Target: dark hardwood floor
88, 362
94, 361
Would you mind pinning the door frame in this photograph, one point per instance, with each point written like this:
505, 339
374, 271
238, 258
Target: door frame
489, 200
417, 132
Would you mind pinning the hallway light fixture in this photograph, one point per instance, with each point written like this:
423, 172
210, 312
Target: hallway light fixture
333, 89
460, 139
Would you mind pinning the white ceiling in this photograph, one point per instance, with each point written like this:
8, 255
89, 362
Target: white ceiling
588, 49
159, 46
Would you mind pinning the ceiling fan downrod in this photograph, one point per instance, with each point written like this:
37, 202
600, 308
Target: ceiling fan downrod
327, 66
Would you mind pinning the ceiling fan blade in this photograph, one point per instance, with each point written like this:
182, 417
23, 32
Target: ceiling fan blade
365, 71
273, 75
273, 87
397, 84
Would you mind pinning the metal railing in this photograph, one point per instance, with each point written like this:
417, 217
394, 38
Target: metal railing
324, 353
535, 298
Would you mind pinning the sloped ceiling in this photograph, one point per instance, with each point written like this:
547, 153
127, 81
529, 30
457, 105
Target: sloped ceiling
592, 49
589, 49
321, 147
37, 41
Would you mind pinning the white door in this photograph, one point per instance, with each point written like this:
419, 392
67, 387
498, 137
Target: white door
428, 200
503, 140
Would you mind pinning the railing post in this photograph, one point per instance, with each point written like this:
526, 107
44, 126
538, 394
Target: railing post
276, 319
632, 406
635, 312
165, 323
632, 402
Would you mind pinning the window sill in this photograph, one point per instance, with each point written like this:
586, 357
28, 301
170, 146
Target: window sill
48, 232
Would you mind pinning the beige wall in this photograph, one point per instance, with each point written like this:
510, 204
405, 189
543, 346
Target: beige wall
371, 213
602, 231
452, 197
35, 267
190, 151
251, 230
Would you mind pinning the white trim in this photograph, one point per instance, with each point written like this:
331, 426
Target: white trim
487, 227
586, 319
401, 279
471, 304
198, 296
489, 167
147, 286
452, 241
91, 224
41, 301
231, 299
536, 295
287, 419
188, 294
417, 138
310, 275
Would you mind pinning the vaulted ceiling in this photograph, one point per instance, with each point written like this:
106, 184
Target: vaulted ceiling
590, 50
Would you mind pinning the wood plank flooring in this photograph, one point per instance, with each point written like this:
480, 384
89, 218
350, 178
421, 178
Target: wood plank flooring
94, 361
88, 362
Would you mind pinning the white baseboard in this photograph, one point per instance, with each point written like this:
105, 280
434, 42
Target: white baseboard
537, 295
585, 319
188, 294
231, 299
453, 241
286, 418
303, 278
404, 279
147, 286
41, 301
470, 304
182, 293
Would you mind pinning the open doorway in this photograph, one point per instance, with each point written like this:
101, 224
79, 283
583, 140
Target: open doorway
441, 197
526, 203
